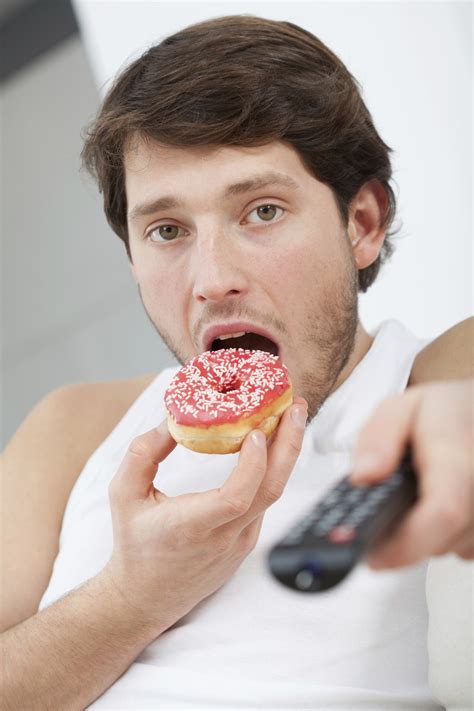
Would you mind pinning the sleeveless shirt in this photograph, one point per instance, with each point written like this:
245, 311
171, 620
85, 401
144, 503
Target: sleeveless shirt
254, 643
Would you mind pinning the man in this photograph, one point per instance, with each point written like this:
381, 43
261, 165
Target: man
242, 170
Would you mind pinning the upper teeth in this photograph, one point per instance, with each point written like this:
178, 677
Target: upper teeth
230, 335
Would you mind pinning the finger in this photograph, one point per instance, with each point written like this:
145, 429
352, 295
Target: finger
282, 456
235, 501
296, 401
234, 498
440, 517
383, 439
134, 478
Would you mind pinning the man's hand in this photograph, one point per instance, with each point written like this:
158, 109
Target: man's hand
172, 552
437, 421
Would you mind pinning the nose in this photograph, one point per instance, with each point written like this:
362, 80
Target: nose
218, 269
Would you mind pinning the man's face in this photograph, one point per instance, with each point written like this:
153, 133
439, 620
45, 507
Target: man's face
244, 239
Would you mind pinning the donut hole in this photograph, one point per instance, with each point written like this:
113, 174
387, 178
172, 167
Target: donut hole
229, 387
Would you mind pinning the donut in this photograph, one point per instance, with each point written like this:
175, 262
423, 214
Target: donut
215, 399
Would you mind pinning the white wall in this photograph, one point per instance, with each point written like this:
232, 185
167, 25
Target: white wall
70, 308
413, 60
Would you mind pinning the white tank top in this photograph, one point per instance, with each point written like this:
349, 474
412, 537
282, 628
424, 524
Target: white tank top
254, 643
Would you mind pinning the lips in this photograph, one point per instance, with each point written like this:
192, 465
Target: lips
235, 327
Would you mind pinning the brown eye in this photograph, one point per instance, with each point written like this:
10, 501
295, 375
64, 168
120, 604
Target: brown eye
166, 232
265, 213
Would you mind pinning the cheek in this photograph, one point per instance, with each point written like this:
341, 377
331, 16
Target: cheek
308, 272
323, 252
157, 286
295, 266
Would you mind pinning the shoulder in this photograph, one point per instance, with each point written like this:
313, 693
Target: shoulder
112, 394
96, 407
40, 465
77, 417
447, 357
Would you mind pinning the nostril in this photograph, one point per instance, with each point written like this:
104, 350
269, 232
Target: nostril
214, 293
217, 281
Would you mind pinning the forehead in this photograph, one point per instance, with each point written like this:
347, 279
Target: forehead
151, 164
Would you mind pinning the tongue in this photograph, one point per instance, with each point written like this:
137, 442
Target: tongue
250, 341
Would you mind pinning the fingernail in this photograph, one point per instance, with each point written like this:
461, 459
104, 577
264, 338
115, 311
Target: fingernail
258, 438
299, 416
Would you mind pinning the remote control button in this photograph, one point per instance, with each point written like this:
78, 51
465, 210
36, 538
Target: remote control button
336, 514
316, 516
342, 534
375, 498
304, 579
292, 539
355, 519
321, 526
331, 518
355, 496
320, 530
332, 499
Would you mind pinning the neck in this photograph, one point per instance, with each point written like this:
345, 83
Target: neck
362, 344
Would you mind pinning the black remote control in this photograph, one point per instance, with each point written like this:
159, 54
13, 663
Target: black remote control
326, 544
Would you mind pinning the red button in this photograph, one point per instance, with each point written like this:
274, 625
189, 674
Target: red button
341, 534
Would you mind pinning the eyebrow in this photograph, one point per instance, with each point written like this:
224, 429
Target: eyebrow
255, 182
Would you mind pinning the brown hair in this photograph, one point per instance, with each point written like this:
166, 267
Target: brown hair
243, 80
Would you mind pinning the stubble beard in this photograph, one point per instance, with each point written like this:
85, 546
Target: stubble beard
329, 337
330, 340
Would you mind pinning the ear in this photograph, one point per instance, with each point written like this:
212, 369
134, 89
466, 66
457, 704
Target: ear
366, 213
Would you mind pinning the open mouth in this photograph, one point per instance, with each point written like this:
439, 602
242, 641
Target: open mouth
249, 341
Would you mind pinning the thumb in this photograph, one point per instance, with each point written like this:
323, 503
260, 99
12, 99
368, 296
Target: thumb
134, 478
383, 439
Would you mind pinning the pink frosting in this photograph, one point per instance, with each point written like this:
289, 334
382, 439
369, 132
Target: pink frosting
221, 386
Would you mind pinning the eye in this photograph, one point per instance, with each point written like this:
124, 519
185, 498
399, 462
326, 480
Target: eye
265, 213
163, 233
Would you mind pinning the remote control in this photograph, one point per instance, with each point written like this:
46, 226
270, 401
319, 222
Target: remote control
320, 550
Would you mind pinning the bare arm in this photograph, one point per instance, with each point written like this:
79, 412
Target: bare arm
67, 655
448, 357
38, 469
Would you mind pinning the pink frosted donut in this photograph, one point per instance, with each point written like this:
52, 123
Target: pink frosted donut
219, 396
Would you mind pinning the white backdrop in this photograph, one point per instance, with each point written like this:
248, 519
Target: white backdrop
413, 60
